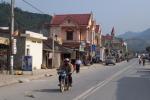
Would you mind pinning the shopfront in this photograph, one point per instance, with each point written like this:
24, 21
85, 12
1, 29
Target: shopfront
4, 54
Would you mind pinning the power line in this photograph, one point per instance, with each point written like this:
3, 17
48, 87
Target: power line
33, 6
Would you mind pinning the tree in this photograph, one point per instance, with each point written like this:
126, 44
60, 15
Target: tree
148, 49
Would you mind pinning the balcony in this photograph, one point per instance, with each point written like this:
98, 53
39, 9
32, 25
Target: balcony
73, 43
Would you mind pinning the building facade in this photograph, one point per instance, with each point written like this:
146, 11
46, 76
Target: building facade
76, 31
113, 46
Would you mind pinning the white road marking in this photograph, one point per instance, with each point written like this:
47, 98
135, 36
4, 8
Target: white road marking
93, 89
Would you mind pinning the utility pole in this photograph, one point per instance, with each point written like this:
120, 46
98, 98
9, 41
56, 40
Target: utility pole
11, 37
53, 49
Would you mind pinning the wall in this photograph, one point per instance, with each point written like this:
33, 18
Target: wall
5, 35
102, 54
35, 50
57, 60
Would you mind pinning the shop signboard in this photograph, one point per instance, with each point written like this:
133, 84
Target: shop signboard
27, 63
93, 47
81, 49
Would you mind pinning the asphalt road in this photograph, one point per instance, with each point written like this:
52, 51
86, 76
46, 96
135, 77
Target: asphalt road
124, 81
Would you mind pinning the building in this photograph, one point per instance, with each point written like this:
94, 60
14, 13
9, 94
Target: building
113, 46
97, 40
4, 48
60, 53
29, 44
76, 31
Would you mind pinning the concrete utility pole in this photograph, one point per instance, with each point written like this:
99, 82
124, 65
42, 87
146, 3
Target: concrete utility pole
53, 50
11, 37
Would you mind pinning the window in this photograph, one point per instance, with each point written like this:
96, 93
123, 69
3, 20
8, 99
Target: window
69, 35
68, 20
33, 41
28, 51
39, 42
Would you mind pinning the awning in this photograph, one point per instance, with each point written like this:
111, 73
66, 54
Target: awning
4, 41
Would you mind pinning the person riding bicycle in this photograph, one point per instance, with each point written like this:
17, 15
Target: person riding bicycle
68, 67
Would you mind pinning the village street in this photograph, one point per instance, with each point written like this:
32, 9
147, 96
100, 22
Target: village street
124, 81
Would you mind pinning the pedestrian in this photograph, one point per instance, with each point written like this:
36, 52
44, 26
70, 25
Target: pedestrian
78, 63
140, 59
143, 61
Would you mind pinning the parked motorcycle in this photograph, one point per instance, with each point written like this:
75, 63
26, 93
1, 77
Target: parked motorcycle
64, 80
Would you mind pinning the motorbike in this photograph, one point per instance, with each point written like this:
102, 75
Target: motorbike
64, 80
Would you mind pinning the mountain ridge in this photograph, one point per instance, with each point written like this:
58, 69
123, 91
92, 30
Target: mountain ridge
137, 41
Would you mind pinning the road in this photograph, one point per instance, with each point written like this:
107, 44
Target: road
124, 81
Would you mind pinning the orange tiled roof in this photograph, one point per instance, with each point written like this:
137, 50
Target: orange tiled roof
80, 19
107, 37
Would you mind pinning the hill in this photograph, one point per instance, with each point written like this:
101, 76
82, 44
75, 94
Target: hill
137, 41
23, 19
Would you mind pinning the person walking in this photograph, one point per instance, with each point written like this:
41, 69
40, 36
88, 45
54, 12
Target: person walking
140, 59
78, 63
143, 59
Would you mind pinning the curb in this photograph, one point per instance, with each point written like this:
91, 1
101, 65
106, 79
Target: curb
6, 83
30, 78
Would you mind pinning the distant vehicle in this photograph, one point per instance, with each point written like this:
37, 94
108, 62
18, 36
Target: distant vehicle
110, 60
147, 57
96, 59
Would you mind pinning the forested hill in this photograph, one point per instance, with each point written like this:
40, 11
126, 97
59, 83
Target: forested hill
137, 41
23, 19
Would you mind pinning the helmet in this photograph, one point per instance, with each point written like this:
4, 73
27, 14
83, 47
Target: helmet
66, 59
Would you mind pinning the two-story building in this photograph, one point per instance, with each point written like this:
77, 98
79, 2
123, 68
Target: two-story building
75, 31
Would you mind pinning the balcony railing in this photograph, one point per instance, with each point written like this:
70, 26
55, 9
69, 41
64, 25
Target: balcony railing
75, 41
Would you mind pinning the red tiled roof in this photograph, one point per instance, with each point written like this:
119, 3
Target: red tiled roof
81, 19
97, 28
107, 37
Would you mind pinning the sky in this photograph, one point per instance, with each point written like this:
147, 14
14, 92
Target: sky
124, 15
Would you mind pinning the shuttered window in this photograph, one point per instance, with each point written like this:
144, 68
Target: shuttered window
69, 35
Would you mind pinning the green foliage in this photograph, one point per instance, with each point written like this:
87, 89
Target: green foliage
23, 19
148, 49
4, 14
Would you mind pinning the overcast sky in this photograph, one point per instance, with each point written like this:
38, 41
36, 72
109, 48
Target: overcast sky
124, 15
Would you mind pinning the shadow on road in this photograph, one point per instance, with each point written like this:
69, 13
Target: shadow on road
134, 88
48, 90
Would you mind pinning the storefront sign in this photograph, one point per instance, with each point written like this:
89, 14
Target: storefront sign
93, 47
27, 63
14, 47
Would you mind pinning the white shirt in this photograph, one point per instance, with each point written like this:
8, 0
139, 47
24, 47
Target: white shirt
78, 62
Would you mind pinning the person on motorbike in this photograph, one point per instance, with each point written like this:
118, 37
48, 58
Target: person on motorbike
68, 67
